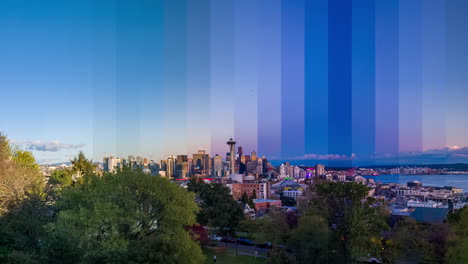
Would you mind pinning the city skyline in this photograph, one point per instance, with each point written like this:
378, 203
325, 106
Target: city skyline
337, 82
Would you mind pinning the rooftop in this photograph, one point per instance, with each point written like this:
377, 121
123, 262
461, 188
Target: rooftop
264, 200
429, 215
286, 183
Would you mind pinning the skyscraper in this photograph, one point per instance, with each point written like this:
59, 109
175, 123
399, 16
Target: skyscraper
319, 170
232, 162
197, 162
253, 155
240, 152
217, 166
206, 164
182, 170
170, 167
111, 163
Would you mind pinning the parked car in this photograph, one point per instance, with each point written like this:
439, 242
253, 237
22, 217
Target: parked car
264, 245
228, 240
245, 241
215, 238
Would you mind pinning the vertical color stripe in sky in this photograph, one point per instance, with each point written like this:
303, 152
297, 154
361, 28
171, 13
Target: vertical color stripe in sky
269, 77
150, 79
292, 83
316, 77
198, 76
386, 77
457, 77
363, 75
175, 82
339, 80
410, 76
434, 73
222, 75
104, 81
245, 74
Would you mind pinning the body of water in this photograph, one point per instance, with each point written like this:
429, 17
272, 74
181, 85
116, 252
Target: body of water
459, 181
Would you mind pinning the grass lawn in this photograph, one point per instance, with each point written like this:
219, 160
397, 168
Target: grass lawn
228, 258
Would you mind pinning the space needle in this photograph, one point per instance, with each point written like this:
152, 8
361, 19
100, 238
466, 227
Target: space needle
232, 147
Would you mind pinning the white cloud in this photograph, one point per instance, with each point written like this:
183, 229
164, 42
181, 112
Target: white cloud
327, 157
45, 146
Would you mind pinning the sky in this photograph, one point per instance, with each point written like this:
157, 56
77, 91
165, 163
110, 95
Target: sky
336, 82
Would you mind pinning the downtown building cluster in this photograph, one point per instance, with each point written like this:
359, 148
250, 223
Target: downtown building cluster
199, 164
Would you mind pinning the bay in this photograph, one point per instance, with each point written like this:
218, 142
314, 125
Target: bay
454, 180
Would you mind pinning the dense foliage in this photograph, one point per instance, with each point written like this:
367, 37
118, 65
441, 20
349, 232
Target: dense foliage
218, 208
19, 176
124, 217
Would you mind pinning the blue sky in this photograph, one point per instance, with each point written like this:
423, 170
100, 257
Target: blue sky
363, 81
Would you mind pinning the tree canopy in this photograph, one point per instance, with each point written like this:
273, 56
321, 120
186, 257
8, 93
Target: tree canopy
354, 222
126, 217
82, 165
19, 175
218, 208
458, 250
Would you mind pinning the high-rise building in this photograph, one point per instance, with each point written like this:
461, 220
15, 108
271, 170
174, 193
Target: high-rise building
253, 155
163, 165
197, 162
111, 164
319, 170
242, 159
259, 169
170, 167
190, 166
105, 164
266, 165
298, 172
206, 164
217, 166
182, 170
283, 170
240, 152
232, 163
182, 158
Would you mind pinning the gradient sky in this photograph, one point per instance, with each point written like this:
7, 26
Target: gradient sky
338, 82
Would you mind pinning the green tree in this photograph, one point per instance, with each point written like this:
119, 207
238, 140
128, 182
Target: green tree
279, 255
19, 175
23, 210
417, 242
311, 240
458, 244
63, 177
126, 217
251, 199
356, 223
244, 198
274, 227
218, 208
82, 165
248, 225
